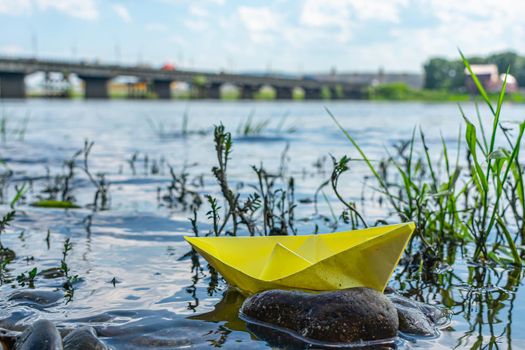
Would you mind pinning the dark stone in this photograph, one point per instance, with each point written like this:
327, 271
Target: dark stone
83, 338
41, 335
414, 321
38, 297
345, 316
416, 318
433, 313
7, 338
389, 290
12, 321
51, 273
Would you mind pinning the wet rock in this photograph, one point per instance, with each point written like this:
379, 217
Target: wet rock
35, 297
51, 273
12, 321
415, 317
433, 313
41, 335
83, 338
7, 338
413, 321
351, 315
389, 290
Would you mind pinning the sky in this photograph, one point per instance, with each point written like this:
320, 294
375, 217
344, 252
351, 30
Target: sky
295, 36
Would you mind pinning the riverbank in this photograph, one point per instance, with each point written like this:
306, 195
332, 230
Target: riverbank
402, 92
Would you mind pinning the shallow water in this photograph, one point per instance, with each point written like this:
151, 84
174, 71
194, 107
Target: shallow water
133, 285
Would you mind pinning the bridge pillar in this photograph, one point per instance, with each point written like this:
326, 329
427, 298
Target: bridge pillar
95, 87
283, 93
214, 91
336, 93
162, 89
353, 94
312, 94
248, 92
12, 85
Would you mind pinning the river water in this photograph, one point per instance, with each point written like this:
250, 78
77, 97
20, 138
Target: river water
134, 285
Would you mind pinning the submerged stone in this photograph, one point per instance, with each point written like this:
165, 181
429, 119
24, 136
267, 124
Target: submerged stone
51, 273
83, 338
41, 335
416, 318
413, 321
11, 322
7, 338
433, 313
37, 297
344, 316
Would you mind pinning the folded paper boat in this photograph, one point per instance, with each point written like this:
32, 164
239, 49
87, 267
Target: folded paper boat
359, 258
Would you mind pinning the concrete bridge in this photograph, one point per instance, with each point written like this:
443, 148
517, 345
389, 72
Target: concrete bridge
96, 77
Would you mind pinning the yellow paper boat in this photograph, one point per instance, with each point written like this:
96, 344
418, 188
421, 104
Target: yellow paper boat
360, 258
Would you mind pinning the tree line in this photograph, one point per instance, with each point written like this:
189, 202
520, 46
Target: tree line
445, 74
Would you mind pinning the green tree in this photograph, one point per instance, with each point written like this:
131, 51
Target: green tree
441, 73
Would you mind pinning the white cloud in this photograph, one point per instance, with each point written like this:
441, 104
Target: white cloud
198, 11
122, 12
82, 9
14, 7
344, 15
341, 13
262, 23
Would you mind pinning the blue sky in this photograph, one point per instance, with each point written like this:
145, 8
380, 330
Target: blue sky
282, 35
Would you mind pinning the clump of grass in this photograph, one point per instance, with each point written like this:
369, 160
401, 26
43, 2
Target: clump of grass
454, 204
27, 278
250, 127
164, 132
268, 210
181, 192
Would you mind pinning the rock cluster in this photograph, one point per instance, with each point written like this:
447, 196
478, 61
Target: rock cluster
347, 316
43, 335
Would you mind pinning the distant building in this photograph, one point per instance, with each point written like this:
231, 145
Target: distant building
488, 75
512, 82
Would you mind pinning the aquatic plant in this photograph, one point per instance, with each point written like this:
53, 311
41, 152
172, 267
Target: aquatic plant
164, 132
27, 278
450, 202
250, 127
181, 192
7, 255
101, 199
71, 280
18, 131
268, 210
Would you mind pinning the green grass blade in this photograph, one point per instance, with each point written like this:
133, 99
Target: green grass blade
480, 87
510, 242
